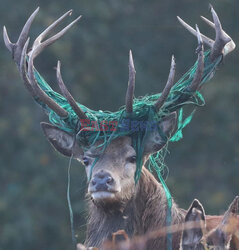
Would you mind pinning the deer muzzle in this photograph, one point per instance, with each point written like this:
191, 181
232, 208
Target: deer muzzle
103, 186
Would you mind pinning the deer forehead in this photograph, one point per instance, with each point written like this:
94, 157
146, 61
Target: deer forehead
117, 150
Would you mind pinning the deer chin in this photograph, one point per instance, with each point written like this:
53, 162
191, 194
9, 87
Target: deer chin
108, 201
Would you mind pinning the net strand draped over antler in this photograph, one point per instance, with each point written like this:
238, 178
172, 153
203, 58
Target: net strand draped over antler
223, 44
196, 80
67, 114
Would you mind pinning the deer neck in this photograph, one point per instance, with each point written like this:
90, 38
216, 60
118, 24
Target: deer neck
152, 198
146, 211
102, 223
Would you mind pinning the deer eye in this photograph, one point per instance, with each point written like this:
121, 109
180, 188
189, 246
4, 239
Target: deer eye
86, 161
131, 159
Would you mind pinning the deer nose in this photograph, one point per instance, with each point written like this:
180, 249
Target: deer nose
102, 181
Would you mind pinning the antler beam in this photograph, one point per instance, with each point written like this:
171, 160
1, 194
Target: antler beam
200, 66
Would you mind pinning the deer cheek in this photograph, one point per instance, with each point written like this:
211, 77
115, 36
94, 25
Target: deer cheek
129, 170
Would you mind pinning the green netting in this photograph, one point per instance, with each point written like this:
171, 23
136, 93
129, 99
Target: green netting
131, 124
143, 111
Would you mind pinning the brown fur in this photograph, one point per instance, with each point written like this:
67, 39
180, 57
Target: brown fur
137, 209
145, 212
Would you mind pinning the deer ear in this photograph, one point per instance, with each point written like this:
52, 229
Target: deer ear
223, 233
62, 141
195, 214
155, 141
231, 212
197, 205
168, 124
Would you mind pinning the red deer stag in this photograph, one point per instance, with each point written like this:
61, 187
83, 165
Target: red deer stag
116, 200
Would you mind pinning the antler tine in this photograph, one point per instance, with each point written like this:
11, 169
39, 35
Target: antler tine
7, 41
230, 46
207, 21
26, 28
199, 36
38, 47
168, 86
223, 43
16, 48
131, 85
221, 40
205, 39
49, 28
80, 113
200, 67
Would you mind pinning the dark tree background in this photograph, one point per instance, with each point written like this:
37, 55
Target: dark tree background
94, 54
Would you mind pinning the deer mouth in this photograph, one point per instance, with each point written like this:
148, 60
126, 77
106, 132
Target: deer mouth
103, 195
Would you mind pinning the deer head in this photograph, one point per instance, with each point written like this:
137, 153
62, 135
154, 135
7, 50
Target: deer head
110, 157
111, 173
195, 236
221, 236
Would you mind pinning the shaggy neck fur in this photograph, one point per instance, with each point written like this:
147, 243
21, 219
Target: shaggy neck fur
145, 212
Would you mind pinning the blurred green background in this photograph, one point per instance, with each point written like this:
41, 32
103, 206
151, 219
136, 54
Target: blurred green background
94, 55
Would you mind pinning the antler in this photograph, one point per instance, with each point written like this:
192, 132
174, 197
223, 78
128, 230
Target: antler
20, 56
167, 88
223, 43
16, 48
196, 80
131, 85
67, 94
